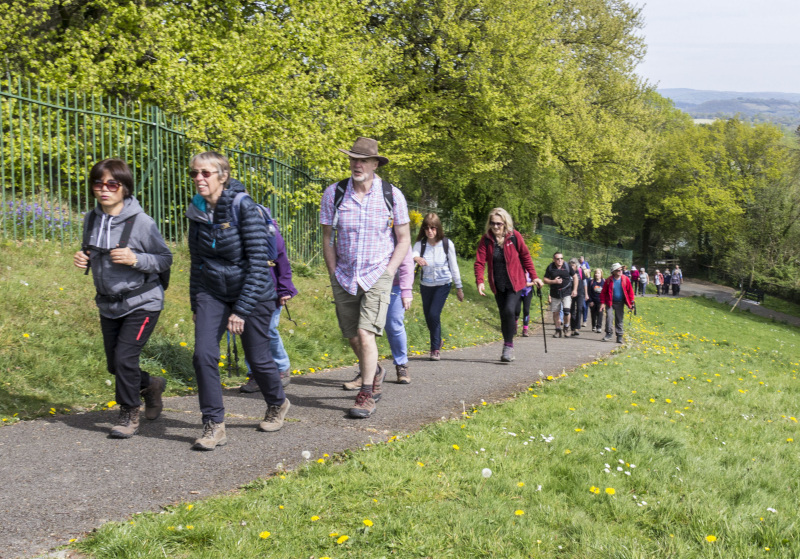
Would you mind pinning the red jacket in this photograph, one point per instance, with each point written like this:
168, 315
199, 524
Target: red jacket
607, 295
518, 261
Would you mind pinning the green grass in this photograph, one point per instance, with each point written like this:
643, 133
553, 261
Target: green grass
51, 350
687, 435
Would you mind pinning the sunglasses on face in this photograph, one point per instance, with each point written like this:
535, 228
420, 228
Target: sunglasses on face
430, 227
496, 223
112, 186
194, 172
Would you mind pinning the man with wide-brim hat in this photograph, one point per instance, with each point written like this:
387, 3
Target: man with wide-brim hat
616, 295
365, 232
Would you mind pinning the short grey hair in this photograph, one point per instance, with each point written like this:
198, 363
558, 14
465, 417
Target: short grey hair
214, 159
573, 261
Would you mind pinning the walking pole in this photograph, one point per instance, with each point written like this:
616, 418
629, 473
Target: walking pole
541, 308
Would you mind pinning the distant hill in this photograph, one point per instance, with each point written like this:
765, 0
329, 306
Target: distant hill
776, 107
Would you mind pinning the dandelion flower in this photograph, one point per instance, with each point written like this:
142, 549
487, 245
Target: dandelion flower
367, 522
711, 538
455, 447
486, 472
264, 535
183, 344
610, 490
26, 335
305, 454
595, 490
420, 464
521, 484
342, 539
333, 534
519, 512
189, 507
314, 518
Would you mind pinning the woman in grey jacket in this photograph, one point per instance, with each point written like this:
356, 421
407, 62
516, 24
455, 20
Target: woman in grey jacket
126, 254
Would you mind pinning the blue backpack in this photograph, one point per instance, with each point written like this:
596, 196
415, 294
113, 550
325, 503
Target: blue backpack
269, 224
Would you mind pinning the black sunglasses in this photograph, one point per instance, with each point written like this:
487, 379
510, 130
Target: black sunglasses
112, 186
194, 172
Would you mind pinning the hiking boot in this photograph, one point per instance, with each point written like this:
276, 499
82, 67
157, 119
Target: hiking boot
402, 374
286, 377
354, 384
273, 419
250, 386
213, 436
619, 339
525, 332
153, 404
607, 338
435, 355
127, 423
576, 332
365, 406
377, 383
508, 354
557, 333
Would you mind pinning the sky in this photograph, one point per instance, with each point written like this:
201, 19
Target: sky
723, 45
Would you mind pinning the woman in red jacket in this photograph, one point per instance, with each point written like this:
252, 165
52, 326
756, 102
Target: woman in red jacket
505, 253
616, 295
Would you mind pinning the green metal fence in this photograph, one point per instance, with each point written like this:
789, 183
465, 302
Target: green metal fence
597, 256
49, 140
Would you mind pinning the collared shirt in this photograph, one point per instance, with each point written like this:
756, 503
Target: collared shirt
364, 240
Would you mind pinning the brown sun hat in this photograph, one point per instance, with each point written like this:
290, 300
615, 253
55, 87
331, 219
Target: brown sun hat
364, 148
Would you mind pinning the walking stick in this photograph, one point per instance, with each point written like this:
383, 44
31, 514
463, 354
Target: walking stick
541, 308
232, 365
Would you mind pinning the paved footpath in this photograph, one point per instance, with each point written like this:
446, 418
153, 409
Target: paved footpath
725, 294
62, 476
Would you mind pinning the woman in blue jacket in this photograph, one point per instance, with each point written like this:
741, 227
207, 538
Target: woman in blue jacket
231, 288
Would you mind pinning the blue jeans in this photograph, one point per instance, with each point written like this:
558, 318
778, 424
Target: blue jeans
279, 354
395, 328
433, 299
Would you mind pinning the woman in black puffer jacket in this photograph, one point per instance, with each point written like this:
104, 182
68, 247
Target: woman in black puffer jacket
230, 288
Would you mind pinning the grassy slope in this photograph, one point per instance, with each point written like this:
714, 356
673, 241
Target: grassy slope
51, 352
682, 445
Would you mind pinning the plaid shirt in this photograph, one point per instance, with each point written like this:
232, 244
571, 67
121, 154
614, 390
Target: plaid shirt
364, 240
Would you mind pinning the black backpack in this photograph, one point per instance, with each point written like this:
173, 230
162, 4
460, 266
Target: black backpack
163, 277
338, 198
269, 224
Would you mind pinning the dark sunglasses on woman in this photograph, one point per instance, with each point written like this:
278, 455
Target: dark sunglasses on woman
194, 172
112, 186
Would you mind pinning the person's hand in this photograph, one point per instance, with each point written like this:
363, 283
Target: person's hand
574, 293
123, 256
235, 324
538, 283
406, 303
421, 261
194, 317
81, 260
529, 284
460, 295
602, 308
558, 280
591, 303
481, 290
282, 300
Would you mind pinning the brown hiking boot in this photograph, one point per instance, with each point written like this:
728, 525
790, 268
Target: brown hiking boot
402, 374
354, 384
250, 386
273, 419
127, 423
435, 355
365, 406
377, 383
153, 404
213, 436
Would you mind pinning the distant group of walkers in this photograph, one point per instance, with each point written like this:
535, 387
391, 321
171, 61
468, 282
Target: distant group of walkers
241, 278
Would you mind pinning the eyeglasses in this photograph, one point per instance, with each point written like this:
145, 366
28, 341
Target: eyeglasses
496, 223
112, 186
430, 227
194, 172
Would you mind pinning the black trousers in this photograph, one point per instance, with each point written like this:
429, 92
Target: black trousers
210, 324
524, 304
507, 302
123, 339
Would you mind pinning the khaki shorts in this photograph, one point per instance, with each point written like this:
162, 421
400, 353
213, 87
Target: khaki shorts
555, 304
366, 310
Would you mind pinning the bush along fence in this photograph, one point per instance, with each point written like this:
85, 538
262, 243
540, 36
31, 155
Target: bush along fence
598, 256
49, 140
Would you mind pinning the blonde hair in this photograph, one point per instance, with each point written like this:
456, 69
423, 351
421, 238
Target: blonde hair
597, 270
505, 218
215, 160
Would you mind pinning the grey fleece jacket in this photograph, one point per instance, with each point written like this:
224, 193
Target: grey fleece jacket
112, 279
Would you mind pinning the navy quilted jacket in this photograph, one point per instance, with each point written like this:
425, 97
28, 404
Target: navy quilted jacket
229, 263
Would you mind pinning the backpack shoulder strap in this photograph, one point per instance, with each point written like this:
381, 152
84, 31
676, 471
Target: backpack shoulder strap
88, 225
388, 197
446, 247
126, 232
236, 208
338, 194
514, 240
423, 244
